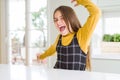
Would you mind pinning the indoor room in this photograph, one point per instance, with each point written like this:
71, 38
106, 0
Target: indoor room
27, 30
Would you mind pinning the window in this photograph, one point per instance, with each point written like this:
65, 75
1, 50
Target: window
111, 22
27, 30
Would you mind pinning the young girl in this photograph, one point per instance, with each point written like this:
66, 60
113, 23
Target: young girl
72, 43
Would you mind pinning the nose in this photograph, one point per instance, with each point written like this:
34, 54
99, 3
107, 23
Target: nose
59, 22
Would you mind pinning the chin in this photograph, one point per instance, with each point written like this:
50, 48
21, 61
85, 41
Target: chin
63, 34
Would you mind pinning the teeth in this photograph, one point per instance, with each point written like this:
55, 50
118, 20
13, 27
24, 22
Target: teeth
60, 26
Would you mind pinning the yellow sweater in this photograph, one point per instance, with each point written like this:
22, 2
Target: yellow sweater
83, 34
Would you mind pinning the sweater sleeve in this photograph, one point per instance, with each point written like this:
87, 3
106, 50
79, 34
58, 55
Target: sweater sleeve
84, 33
51, 50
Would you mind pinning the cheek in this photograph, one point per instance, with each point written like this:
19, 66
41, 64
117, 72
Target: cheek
56, 25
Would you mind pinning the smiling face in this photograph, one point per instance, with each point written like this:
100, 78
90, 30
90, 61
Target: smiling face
66, 20
60, 23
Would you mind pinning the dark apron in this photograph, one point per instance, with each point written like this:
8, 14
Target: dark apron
70, 57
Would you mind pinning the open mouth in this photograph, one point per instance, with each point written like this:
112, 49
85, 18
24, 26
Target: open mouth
62, 28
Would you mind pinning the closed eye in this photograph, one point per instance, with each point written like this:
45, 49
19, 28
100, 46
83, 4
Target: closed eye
55, 20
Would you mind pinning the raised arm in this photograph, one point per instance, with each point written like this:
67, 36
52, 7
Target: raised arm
84, 33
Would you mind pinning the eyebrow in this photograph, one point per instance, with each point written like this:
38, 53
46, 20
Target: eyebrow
60, 16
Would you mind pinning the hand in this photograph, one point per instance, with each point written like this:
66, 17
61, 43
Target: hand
38, 55
76, 4
39, 60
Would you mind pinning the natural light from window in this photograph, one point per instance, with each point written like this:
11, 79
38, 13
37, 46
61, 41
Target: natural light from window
112, 25
35, 22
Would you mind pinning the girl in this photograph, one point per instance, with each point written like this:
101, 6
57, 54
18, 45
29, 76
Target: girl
72, 43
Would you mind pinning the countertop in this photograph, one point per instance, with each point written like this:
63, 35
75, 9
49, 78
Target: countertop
19, 72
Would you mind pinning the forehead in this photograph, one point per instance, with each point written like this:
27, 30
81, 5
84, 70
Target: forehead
57, 14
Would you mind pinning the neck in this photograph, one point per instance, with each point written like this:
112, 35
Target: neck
68, 34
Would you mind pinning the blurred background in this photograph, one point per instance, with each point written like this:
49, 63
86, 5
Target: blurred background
27, 28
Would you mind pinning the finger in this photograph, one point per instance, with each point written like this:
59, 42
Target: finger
73, 1
37, 56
